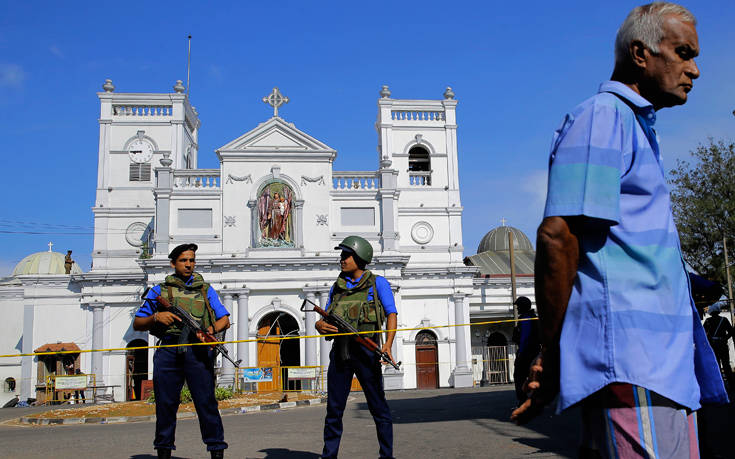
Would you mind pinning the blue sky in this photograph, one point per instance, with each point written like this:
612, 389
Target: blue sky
516, 68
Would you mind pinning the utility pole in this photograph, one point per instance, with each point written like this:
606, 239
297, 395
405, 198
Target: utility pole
512, 274
729, 282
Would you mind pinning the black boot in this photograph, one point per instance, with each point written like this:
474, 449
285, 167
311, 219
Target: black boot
217, 453
164, 453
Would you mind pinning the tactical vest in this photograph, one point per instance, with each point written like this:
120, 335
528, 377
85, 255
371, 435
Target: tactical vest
352, 304
191, 298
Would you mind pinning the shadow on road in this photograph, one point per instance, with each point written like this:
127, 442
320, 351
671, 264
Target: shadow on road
283, 453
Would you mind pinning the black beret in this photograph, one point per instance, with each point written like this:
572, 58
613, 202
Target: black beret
174, 255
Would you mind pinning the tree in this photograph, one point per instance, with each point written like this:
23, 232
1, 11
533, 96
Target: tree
703, 203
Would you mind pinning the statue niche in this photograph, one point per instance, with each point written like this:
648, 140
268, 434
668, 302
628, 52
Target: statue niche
275, 215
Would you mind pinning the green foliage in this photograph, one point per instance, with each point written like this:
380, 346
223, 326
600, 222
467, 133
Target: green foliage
220, 393
703, 203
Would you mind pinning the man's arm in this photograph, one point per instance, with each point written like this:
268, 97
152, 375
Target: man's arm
557, 259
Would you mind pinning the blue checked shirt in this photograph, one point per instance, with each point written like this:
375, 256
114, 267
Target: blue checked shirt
630, 317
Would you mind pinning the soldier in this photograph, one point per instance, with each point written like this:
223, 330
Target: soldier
719, 331
68, 262
195, 364
365, 300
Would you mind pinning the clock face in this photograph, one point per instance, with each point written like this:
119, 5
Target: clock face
140, 151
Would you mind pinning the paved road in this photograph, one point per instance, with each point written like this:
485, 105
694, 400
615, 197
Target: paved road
433, 424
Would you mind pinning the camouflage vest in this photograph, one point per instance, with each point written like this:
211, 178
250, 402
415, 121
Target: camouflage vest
192, 298
352, 304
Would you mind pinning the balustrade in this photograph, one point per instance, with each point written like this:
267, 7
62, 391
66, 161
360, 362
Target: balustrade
142, 110
417, 115
419, 178
345, 181
197, 179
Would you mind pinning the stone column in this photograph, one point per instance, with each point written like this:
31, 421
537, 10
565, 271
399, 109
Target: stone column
388, 194
26, 363
253, 222
162, 194
392, 378
462, 374
243, 326
324, 345
98, 329
228, 370
299, 229
310, 320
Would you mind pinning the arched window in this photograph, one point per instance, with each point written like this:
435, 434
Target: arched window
9, 385
419, 166
425, 337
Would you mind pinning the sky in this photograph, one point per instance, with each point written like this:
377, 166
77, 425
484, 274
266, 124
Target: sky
516, 68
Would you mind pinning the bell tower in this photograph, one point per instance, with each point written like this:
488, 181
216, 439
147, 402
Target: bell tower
419, 139
137, 131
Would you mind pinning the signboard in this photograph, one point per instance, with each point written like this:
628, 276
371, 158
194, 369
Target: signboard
301, 373
257, 374
71, 382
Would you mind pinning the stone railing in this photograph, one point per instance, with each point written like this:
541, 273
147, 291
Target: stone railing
196, 179
351, 180
419, 178
142, 110
417, 115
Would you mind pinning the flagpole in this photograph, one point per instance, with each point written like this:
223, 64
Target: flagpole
188, 65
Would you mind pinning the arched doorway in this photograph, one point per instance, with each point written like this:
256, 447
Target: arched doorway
136, 369
497, 370
275, 352
427, 360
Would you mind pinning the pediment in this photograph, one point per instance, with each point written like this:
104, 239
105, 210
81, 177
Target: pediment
275, 135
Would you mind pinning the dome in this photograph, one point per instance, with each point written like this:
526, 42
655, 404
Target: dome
44, 263
497, 240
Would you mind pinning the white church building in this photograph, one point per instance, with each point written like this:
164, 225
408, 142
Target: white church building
266, 222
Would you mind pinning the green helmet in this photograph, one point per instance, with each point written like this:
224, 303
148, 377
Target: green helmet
358, 246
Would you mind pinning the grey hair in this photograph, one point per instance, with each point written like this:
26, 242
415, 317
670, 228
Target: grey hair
645, 23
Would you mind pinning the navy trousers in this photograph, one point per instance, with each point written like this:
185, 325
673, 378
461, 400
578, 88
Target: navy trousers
366, 367
195, 366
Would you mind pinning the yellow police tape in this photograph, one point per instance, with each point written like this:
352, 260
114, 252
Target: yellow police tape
82, 351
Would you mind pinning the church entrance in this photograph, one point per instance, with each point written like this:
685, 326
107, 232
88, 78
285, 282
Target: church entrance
274, 351
136, 369
497, 370
427, 360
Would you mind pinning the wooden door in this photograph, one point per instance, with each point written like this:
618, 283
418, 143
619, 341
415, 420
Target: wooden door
427, 371
269, 355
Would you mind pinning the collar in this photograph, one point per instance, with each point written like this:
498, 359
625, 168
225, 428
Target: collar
354, 281
643, 106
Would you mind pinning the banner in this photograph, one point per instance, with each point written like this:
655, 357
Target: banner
71, 382
257, 374
301, 373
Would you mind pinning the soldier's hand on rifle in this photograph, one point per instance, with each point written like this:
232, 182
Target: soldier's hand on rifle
165, 318
387, 350
325, 328
202, 337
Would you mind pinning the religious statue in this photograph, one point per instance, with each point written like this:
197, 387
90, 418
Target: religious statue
275, 216
68, 262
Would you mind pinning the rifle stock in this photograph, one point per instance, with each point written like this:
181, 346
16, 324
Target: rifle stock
345, 327
193, 324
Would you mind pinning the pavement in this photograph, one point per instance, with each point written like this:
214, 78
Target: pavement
442, 423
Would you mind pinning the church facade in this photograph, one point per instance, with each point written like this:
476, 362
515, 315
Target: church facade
266, 222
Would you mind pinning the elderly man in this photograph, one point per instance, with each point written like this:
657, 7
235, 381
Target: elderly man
620, 334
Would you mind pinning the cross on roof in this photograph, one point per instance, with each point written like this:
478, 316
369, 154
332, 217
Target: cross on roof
502, 221
275, 99
50, 244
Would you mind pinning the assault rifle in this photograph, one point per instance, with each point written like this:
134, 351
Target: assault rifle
345, 327
191, 323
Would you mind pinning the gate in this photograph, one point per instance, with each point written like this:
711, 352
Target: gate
495, 367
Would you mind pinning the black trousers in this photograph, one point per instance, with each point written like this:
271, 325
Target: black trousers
171, 368
367, 368
722, 353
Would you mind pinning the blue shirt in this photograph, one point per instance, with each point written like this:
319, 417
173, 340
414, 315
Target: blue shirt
630, 316
149, 307
385, 294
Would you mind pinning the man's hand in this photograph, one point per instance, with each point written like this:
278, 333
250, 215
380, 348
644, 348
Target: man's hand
202, 337
166, 318
387, 349
325, 328
542, 385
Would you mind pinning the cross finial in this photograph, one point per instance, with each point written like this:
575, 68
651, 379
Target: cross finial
50, 244
502, 221
275, 99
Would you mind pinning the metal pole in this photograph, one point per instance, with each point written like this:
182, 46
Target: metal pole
188, 65
729, 283
512, 274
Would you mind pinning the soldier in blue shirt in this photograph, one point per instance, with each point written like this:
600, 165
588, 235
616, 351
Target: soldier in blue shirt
193, 364
366, 301
620, 333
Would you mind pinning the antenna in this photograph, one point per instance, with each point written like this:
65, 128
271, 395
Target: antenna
188, 65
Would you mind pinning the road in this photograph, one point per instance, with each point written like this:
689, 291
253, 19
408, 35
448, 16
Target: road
444, 423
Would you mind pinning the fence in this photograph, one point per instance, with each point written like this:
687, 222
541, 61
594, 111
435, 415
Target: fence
280, 379
72, 388
492, 363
